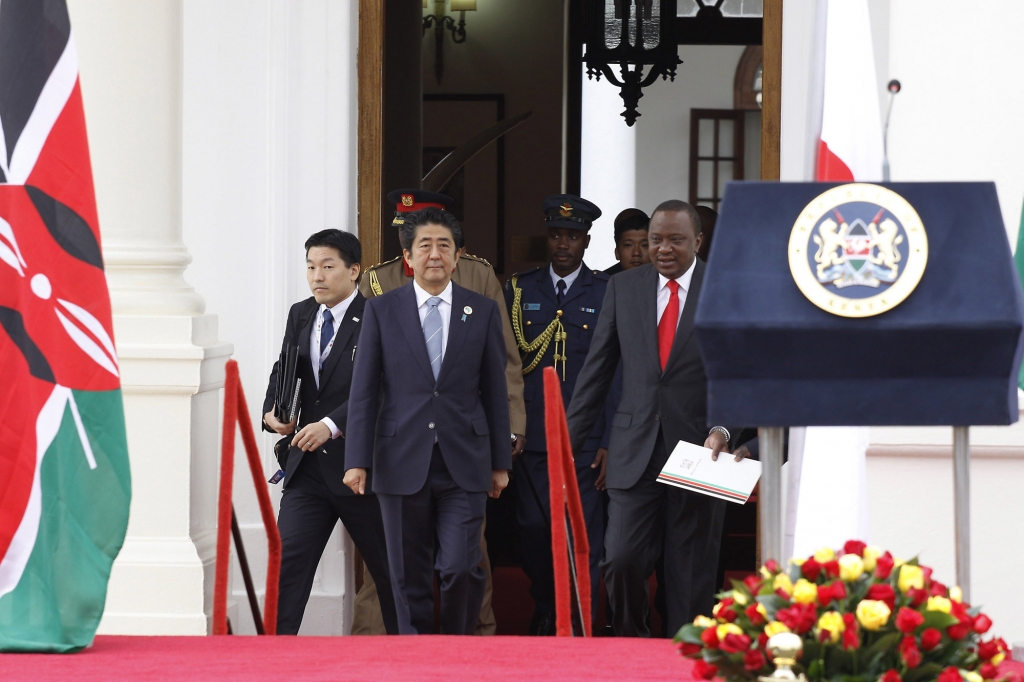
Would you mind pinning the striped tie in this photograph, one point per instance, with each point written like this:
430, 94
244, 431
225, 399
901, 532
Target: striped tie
432, 334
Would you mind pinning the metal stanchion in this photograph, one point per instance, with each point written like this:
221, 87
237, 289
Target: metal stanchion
962, 507
771, 440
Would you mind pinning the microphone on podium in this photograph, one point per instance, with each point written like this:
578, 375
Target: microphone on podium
894, 87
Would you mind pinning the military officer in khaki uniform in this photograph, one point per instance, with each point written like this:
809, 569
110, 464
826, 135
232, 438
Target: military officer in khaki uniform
475, 274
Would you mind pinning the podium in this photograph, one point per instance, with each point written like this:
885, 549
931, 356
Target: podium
830, 304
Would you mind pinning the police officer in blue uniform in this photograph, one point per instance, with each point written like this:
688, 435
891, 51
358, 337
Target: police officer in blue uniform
554, 311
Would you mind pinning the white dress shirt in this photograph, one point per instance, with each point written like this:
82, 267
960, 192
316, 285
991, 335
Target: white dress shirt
569, 279
445, 309
664, 293
338, 313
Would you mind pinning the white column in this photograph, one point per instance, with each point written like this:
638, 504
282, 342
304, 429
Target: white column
172, 363
607, 165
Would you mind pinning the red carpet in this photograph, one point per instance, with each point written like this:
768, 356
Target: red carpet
357, 658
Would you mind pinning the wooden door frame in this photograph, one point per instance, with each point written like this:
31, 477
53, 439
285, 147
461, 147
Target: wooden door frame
370, 127
370, 117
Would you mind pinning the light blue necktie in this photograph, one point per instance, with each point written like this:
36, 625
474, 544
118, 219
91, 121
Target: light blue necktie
432, 334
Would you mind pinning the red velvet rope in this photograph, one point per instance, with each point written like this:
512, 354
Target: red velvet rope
564, 489
237, 411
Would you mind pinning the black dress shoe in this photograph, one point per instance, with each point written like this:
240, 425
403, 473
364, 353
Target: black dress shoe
542, 624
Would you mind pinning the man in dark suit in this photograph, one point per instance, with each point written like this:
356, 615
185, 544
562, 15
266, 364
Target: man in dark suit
325, 328
647, 322
554, 311
429, 417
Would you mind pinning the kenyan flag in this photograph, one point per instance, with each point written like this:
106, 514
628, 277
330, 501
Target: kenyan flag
64, 480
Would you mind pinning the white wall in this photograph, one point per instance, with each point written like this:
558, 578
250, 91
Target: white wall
268, 159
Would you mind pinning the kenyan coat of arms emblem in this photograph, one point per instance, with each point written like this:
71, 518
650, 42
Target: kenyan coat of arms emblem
858, 250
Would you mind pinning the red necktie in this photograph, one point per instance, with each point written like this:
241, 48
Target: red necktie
669, 322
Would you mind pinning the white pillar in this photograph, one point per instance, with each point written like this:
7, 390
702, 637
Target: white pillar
130, 56
607, 165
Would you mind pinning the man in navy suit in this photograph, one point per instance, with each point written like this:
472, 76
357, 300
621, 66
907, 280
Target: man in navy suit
325, 327
429, 417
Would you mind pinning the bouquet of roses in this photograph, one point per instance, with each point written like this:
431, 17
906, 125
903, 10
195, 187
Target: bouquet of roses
862, 616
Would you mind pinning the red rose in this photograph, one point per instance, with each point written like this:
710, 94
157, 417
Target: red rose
937, 589
851, 640
729, 615
982, 624
687, 649
986, 650
710, 638
772, 565
753, 584
927, 574
754, 660
727, 602
705, 671
909, 652
883, 592
987, 670
960, 611
958, 631
824, 594
799, 618
754, 615
890, 676
854, 547
930, 639
838, 590
883, 566
831, 568
950, 674
917, 597
762, 639
811, 569
824, 635
908, 620
733, 643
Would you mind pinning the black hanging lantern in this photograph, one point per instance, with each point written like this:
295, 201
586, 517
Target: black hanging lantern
631, 35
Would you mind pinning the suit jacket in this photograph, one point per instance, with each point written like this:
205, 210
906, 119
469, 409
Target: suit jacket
331, 399
579, 314
397, 407
475, 274
673, 402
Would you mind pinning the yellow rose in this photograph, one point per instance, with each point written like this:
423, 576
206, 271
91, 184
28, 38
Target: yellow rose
971, 676
782, 582
824, 554
897, 562
956, 594
703, 622
805, 592
833, 622
765, 573
739, 598
728, 629
774, 628
910, 576
998, 658
873, 614
851, 567
797, 562
871, 554
939, 604
762, 610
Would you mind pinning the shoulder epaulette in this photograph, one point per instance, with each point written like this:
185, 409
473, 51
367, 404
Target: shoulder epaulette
529, 272
478, 259
383, 263
601, 274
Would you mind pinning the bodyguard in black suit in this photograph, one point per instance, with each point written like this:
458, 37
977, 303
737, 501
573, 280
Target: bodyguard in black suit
429, 418
326, 329
647, 322
559, 302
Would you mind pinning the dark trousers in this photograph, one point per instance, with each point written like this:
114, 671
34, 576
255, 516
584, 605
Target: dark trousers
535, 533
652, 519
454, 516
309, 511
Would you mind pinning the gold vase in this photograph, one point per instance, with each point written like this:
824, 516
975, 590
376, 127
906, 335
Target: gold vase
785, 648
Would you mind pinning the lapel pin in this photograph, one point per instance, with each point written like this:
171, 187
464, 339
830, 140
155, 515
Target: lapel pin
355, 319
466, 311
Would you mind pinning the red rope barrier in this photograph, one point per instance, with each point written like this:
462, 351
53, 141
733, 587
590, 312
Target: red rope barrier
564, 489
236, 411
